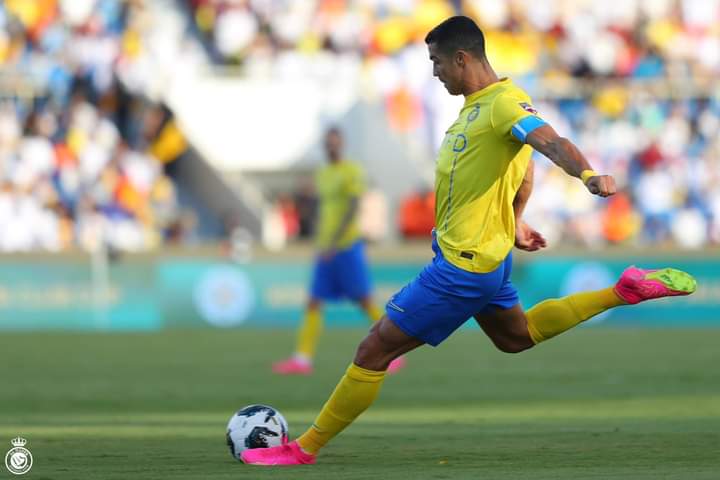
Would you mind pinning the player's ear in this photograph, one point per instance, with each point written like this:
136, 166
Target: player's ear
460, 59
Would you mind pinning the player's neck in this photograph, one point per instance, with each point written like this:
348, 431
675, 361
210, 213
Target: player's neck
481, 77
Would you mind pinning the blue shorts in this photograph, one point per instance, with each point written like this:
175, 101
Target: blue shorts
443, 297
345, 275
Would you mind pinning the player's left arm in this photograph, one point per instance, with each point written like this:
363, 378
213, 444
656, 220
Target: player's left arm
354, 188
523, 194
526, 237
563, 153
347, 219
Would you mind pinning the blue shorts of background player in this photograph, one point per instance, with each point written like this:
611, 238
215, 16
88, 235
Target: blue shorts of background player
443, 297
343, 276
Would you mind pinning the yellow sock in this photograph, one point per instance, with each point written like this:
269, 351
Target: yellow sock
309, 334
374, 312
355, 392
556, 315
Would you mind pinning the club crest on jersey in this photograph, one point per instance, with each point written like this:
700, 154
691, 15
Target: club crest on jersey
473, 113
528, 108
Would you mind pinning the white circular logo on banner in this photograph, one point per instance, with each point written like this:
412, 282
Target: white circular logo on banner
18, 459
588, 276
224, 296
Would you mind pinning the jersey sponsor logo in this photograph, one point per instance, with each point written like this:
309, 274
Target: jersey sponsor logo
528, 108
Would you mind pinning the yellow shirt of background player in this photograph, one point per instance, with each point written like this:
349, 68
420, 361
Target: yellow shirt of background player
479, 169
337, 184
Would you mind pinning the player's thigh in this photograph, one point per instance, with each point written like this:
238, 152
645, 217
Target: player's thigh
383, 344
506, 327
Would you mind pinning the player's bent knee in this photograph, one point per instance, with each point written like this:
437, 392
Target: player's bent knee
512, 348
513, 345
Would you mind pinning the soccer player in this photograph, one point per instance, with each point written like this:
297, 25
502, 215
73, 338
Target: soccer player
341, 269
480, 197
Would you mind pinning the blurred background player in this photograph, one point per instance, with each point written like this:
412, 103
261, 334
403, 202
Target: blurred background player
341, 268
483, 180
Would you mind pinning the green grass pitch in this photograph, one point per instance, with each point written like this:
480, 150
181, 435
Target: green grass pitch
592, 404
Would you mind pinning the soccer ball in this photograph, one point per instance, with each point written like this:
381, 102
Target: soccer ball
255, 426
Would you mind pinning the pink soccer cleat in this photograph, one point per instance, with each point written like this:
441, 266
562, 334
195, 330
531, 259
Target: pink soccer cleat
293, 366
287, 454
396, 365
637, 285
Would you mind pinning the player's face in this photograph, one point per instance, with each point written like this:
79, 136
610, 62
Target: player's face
446, 69
333, 145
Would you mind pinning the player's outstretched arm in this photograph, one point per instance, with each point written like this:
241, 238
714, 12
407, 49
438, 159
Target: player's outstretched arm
566, 155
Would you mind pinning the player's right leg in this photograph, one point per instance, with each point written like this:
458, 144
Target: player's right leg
506, 327
308, 335
554, 316
355, 392
427, 310
513, 330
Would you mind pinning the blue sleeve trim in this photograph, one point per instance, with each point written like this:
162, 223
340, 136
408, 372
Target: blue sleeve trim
526, 125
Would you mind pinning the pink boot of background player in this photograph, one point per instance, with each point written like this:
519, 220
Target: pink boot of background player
396, 365
293, 366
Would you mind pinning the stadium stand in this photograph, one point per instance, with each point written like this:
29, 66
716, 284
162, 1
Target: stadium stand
631, 82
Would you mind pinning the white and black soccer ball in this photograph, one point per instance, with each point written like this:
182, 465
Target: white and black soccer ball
255, 426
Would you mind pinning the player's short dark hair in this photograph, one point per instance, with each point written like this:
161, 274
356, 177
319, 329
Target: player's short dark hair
458, 33
334, 130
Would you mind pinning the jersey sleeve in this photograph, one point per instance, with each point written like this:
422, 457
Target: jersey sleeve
514, 118
354, 182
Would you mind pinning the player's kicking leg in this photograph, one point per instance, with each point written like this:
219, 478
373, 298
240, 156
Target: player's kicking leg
513, 330
352, 396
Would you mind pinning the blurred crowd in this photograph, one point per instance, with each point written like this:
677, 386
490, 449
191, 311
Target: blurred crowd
547, 38
79, 147
631, 82
665, 156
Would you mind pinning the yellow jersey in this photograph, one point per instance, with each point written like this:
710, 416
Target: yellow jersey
337, 184
480, 166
